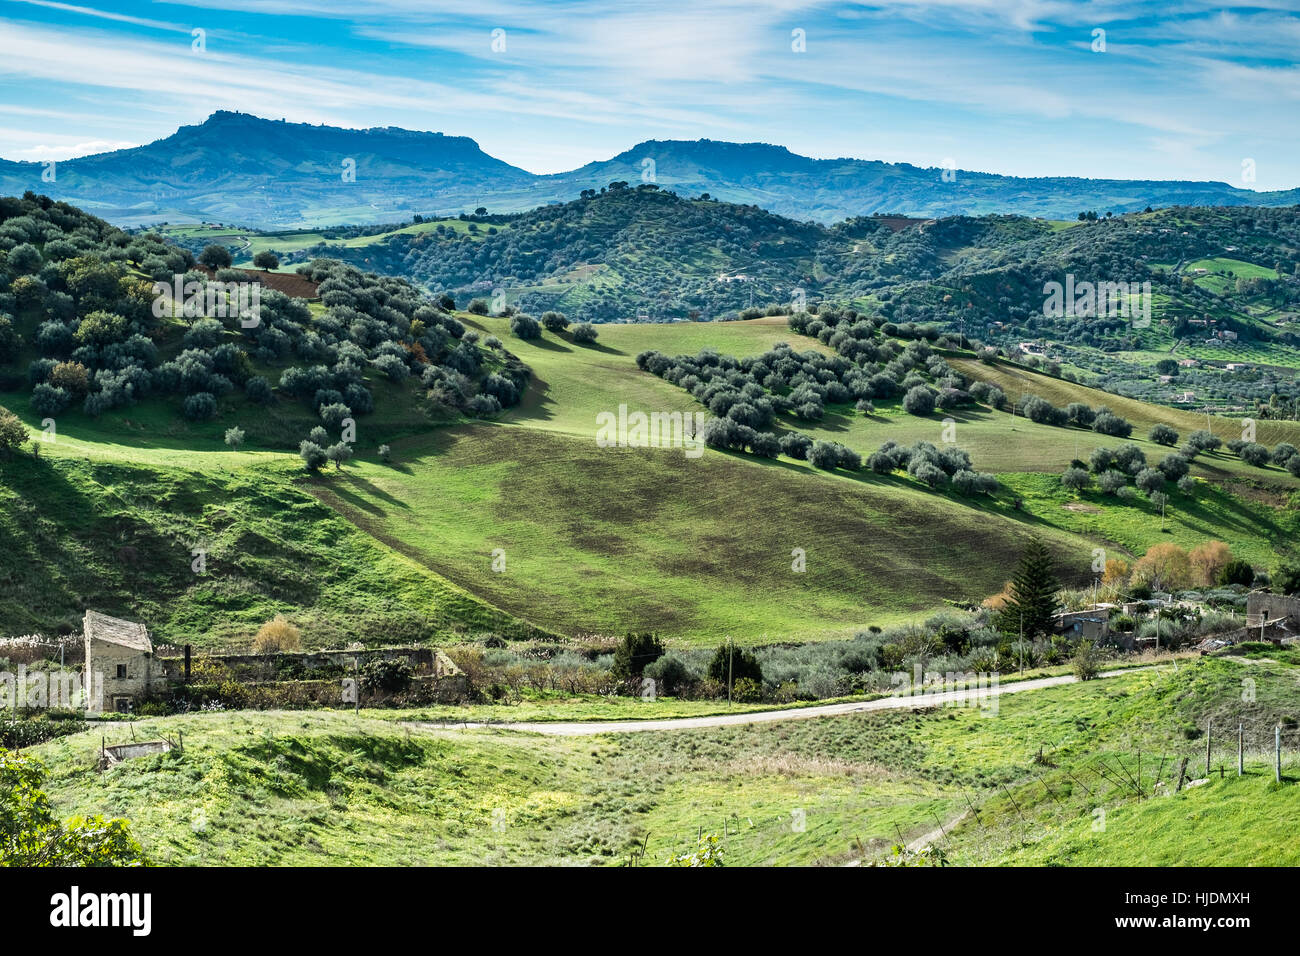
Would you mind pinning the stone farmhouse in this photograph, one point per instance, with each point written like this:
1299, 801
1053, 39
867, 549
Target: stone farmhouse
122, 653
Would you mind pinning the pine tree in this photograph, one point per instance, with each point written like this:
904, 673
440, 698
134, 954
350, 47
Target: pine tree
1032, 599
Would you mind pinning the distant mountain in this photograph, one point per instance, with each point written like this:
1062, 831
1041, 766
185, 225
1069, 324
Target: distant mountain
243, 169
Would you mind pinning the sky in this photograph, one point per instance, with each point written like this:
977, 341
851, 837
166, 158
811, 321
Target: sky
1126, 89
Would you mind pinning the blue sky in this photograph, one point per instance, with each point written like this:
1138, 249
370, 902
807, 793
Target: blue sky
1183, 89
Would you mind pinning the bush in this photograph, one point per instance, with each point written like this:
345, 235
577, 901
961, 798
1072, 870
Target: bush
1076, 479
670, 674
48, 401
584, 332
919, 401
1086, 663
1163, 435
478, 307
1237, 572
200, 406
334, 415
277, 636
392, 676
634, 653
1253, 453
1174, 466
524, 326
1111, 482
1150, 480
736, 663
1108, 423
13, 434
313, 455
1286, 579
554, 322
796, 445
259, 391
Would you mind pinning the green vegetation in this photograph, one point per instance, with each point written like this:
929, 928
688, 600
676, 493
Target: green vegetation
331, 787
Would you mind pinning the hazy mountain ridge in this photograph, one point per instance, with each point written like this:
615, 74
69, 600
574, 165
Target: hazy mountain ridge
243, 169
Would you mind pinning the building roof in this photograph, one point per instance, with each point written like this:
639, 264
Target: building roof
112, 630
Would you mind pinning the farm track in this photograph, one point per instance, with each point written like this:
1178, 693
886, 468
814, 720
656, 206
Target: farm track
973, 698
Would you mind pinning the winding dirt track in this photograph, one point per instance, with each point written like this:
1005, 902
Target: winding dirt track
985, 697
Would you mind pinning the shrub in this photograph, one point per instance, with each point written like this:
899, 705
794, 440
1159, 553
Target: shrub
919, 401
13, 434
584, 332
736, 663
339, 453
1162, 434
1111, 482
634, 653
234, 437
277, 636
1283, 452
1150, 480
1203, 440
1076, 479
478, 307
334, 415
1286, 579
313, 455
1086, 664
200, 406
48, 401
554, 322
259, 391
385, 454
1237, 572
1253, 453
1174, 466
392, 676
524, 326
1108, 423
796, 445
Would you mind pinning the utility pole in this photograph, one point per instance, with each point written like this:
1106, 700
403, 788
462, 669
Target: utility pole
1209, 725
730, 657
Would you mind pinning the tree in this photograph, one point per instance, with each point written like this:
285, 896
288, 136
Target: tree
1076, 480
634, 653
1286, 579
9, 340
234, 437
1237, 572
1165, 567
215, 257
338, 454
13, 433
524, 326
1162, 434
1253, 453
277, 636
1031, 600
1150, 480
266, 260
1086, 661
919, 400
734, 663
1203, 440
30, 834
554, 322
313, 455
584, 332
1208, 561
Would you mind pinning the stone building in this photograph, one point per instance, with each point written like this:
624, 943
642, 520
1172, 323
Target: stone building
121, 653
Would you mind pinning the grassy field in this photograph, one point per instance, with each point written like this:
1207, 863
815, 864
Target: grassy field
332, 788
600, 541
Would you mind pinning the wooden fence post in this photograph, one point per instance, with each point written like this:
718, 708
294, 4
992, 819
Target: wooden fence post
1277, 753
1240, 757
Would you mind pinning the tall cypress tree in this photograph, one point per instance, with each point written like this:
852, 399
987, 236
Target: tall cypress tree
1032, 600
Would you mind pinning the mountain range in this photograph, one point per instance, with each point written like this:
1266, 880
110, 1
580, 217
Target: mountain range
239, 168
